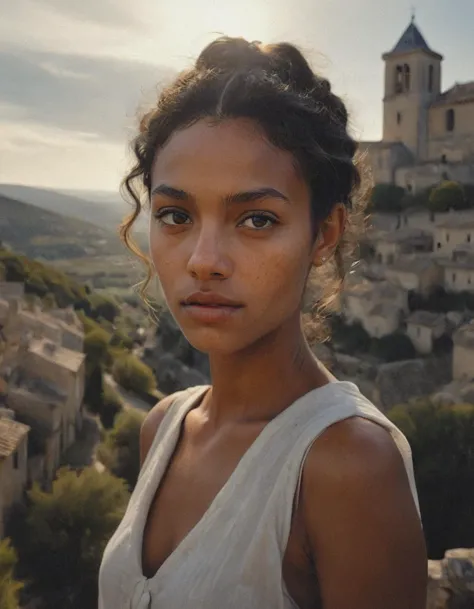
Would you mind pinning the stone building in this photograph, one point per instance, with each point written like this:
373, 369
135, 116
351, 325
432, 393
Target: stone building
423, 328
463, 353
428, 133
416, 273
453, 232
389, 246
13, 464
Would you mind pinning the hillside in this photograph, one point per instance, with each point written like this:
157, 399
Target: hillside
43, 234
103, 209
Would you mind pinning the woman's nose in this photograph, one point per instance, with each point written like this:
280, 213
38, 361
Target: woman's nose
209, 258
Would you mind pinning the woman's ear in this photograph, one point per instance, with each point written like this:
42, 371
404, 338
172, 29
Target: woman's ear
330, 233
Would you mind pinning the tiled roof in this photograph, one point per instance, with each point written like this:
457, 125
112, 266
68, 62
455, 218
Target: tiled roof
11, 434
458, 94
411, 40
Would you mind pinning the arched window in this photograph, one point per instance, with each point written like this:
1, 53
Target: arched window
430, 78
398, 79
450, 120
406, 77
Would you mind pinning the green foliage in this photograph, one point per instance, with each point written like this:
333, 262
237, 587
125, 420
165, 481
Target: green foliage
103, 306
386, 198
66, 533
442, 441
441, 301
9, 587
94, 387
112, 405
393, 347
120, 452
120, 339
133, 375
448, 195
350, 338
96, 345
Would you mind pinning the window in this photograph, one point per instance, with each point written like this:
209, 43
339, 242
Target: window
399, 118
444, 160
398, 79
450, 120
438, 246
454, 277
468, 238
15, 460
447, 237
430, 78
406, 77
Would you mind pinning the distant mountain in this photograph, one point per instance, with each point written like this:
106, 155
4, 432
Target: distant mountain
104, 209
39, 233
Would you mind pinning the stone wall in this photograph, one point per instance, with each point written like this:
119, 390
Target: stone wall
451, 581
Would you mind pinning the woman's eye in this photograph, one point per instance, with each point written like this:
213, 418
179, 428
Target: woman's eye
172, 217
258, 221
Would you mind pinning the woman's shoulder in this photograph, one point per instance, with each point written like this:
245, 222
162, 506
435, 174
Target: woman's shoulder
155, 417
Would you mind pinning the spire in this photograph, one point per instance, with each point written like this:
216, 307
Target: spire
412, 40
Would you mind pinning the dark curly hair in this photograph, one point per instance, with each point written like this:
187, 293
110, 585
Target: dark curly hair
296, 109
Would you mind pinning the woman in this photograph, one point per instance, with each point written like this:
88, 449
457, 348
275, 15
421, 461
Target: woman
276, 487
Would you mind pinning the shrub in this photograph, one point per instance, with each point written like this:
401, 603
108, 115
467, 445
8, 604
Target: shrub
441, 439
387, 198
133, 375
448, 195
9, 587
112, 405
120, 451
393, 347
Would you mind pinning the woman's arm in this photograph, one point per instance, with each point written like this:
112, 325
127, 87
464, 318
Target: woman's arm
361, 520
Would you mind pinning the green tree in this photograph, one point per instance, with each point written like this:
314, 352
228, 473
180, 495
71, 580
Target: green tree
112, 405
387, 198
448, 195
104, 306
96, 345
442, 440
393, 347
120, 451
133, 375
9, 587
66, 533
94, 388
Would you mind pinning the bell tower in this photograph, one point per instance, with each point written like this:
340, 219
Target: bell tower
412, 83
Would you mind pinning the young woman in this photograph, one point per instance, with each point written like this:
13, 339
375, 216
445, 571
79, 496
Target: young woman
277, 487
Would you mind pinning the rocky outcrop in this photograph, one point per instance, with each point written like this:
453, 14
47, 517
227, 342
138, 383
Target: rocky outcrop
176, 364
451, 581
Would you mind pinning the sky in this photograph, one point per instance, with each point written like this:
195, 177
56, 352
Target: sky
75, 74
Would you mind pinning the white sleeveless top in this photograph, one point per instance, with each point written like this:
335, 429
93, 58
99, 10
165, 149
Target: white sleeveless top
233, 557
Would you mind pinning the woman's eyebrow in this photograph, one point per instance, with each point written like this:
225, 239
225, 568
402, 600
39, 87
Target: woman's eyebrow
246, 196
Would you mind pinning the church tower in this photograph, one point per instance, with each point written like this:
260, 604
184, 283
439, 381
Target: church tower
412, 83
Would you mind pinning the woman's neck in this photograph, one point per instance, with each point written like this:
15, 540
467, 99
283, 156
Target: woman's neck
259, 383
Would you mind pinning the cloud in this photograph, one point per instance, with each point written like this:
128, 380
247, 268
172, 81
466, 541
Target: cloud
69, 92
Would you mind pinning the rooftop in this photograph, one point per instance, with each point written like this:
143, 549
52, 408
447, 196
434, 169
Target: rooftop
416, 263
71, 360
425, 318
458, 94
465, 336
11, 434
457, 221
412, 40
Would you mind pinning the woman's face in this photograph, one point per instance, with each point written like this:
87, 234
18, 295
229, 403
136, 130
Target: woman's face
230, 234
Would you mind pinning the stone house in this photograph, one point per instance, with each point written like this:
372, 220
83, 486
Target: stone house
453, 232
423, 328
13, 464
382, 319
389, 246
459, 269
72, 328
40, 406
63, 370
463, 352
416, 273
12, 290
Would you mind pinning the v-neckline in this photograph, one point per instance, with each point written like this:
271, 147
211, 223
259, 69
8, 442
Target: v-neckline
154, 485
